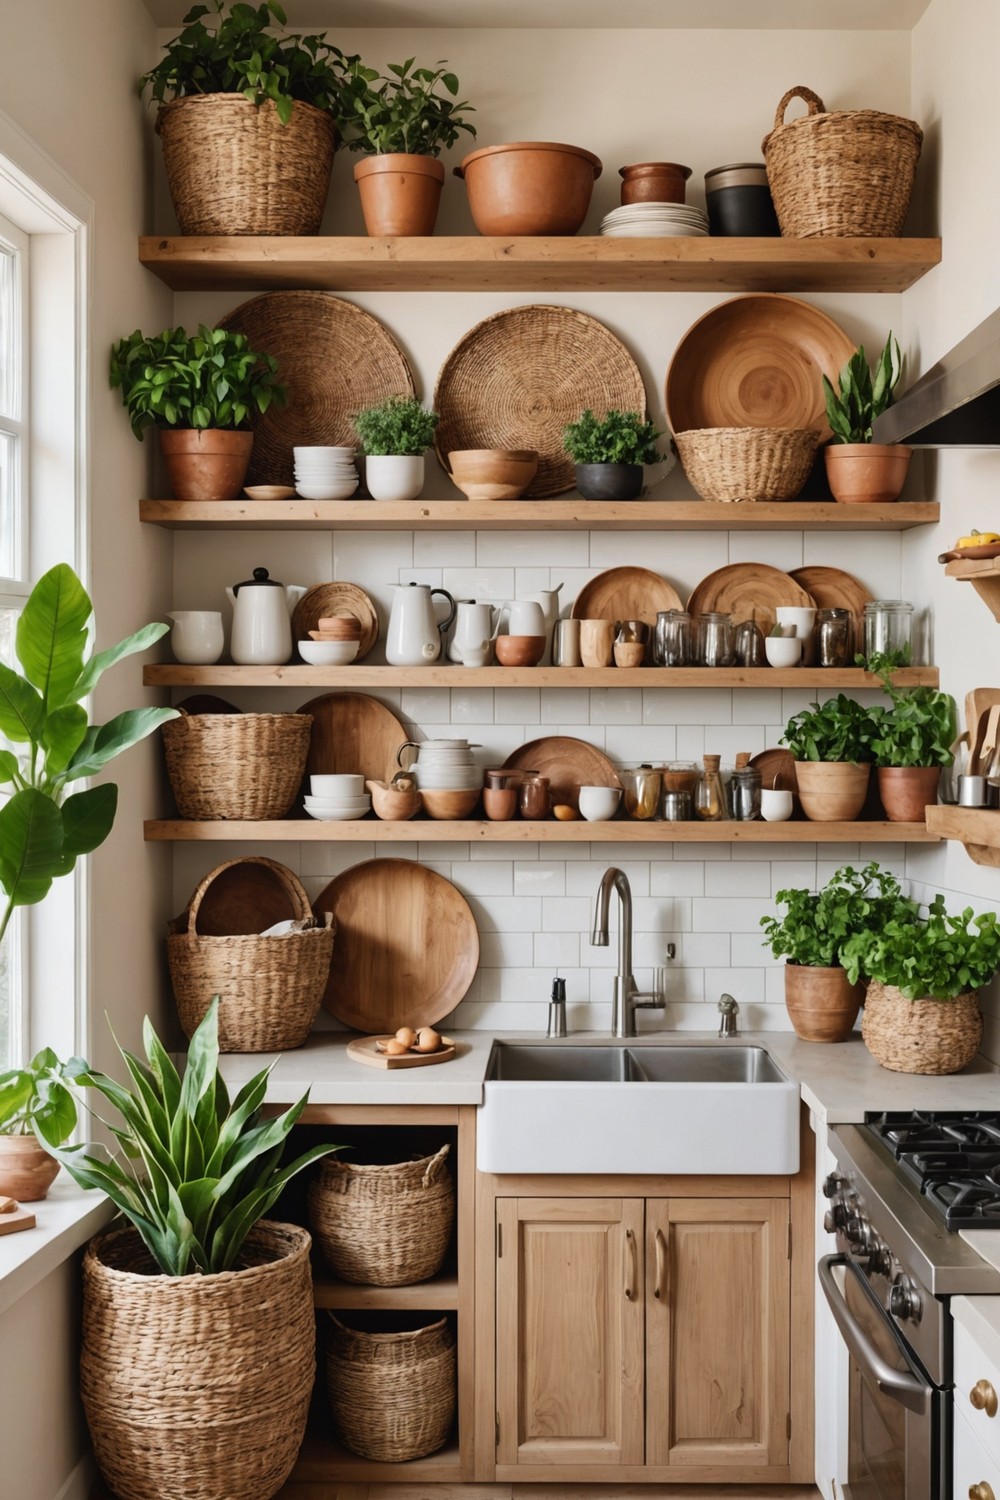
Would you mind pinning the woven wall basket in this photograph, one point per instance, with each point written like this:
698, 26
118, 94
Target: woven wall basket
846, 172
383, 1225
233, 168
270, 988
921, 1036
392, 1395
198, 1385
241, 766
747, 463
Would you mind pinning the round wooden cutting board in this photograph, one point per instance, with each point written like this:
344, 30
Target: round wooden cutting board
742, 590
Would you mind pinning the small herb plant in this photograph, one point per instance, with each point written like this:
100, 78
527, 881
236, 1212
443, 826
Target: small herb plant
838, 730
409, 112
398, 426
35, 1099
937, 957
240, 54
861, 396
817, 924
208, 379
622, 437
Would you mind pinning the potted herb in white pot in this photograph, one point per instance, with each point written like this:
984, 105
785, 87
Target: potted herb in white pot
609, 453
395, 435
859, 470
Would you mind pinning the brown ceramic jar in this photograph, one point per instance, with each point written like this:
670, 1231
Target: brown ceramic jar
654, 182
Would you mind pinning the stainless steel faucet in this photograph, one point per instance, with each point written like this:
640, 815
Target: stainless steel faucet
626, 997
728, 1010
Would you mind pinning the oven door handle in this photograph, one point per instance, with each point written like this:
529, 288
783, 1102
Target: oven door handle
900, 1386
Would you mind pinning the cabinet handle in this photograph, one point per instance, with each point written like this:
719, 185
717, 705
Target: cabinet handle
981, 1491
984, 1398
660, 1288
631, 1266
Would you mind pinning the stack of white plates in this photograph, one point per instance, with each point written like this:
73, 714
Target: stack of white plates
337, 809
325, 473
655, 221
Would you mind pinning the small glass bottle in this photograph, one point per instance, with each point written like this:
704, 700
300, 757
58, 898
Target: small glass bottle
833, 637
709, 797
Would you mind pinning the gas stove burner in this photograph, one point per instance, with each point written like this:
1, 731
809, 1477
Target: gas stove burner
966, 1204
954, 1159
940, 1133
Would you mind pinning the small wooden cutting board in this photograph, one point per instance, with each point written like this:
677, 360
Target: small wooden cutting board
363, 1049
14, 1218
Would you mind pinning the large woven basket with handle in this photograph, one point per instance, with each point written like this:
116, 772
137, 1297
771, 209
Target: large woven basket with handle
383, 1225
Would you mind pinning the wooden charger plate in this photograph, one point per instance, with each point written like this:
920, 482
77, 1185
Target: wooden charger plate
352, 733
625, 594
567, 763
777, 769
336, 599
832, 588
364, 1049
744, 589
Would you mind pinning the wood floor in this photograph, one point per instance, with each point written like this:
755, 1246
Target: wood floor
334, 1491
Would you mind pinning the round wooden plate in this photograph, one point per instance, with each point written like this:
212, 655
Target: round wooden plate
625, 594
832, 588
352, 733
567, 763
407, 946
745, 589
777, 769
336, 598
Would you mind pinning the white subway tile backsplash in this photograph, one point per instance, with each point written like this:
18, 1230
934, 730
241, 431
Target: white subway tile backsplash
444, 549
472, 706
565, 705
514, 950
737, 880
729, 913
566, 914
426, 706
557, 950
746, 985
530, 549
683, 878
484, 877
630, 745
616, 706
494, 583
508, 913
540, 877
780, 549
583, 880
517, 706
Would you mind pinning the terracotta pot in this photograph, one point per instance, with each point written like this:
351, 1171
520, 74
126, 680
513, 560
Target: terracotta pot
921, 1036
831, 791
866, 473
529, 187
400, 194
653, 182
209, 464
822, 1005
907, 791
26, 1170
520, 650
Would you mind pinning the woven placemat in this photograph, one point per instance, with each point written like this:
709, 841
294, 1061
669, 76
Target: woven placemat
333, 357
516, 379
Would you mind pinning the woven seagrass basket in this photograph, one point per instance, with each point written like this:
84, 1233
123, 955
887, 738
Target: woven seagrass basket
198, 1385
270, 988
383, 1225
747, 463
239, 766
921, 1036
845, 172
233, 168
392, 1395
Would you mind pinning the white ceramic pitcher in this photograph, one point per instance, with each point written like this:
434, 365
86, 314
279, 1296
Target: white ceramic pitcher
262, 625
549, 600
476, 627
413, 637
525, 617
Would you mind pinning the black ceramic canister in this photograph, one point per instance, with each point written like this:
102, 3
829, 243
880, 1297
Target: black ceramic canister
738, 200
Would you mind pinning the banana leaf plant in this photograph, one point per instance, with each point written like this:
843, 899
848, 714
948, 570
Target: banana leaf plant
45, 827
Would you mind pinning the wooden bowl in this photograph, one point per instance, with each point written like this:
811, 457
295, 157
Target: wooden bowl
339, 627
520, 650
493, 473
391, 804
449, 806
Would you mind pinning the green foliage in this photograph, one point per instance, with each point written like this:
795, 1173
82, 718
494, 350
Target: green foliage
938, 956
861, 396
240, 55
35, 1098
210, 379
42, 830
817, 924
920, 727
839, 729
405, 113
195, 1171
398, 425
621, 438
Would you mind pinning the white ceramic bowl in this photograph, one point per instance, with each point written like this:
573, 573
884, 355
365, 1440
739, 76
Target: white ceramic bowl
333, 805
337, 784
308, 452
328, 653
782, 650
599, 803
339, 815
326, 492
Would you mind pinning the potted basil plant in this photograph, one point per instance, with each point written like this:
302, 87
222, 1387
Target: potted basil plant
609, 453
832, 746
858, 469
395, 434
912, 744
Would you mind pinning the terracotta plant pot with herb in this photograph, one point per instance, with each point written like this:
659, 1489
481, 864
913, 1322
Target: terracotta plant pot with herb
860, 471
35, 1102
609, 453
831, 743
395, 435
912, 744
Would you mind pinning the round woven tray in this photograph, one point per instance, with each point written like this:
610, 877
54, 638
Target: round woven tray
921, 1036
334, 358
383, 1225
518, 378
392, 1395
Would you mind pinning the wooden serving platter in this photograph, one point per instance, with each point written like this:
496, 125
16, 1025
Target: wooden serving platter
364, 1049
13, 1219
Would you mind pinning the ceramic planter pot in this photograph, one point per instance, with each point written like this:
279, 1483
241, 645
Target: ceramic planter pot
609, 481
831, 791
26, 1170
654, 182
921, 1036
907, 791
205, 464
529, 187
822, 1005
394, 476
866, 473
400, 194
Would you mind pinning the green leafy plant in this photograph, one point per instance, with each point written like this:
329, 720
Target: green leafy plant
919, 728
621, 437
35, 1099
817, 924
196, 1170
398, 426
208, 379
937, 957
406, 113
43, 830
239, 54
840, 729
861, 396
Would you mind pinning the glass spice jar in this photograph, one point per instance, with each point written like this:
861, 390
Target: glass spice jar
709, 797
534, 798
833, 637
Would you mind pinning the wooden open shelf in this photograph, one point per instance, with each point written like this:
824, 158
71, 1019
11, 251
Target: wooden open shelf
323, 1460
984, 575
534, 515
619, 830
438, 1295
534, 264
978, 828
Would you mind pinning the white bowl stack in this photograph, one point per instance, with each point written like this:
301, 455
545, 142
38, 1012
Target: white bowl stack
325, 473
446, 766
655, 221
337, 798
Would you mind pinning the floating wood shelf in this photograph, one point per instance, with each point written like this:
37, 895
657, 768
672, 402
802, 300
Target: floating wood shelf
984, 575
322, 1461
534, 515
428, 830
534, 264
978, 828
437, 1295
361, 675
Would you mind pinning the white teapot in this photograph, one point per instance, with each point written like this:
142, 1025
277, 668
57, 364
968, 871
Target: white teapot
262, 626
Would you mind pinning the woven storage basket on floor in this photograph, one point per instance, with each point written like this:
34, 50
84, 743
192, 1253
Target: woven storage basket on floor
240, 766
844, 172
270, 989
233, 168
383, 1225
392, 1395
921, 1036
747, 463
198, 1385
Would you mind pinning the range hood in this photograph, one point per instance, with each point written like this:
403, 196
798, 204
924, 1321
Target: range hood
957, 403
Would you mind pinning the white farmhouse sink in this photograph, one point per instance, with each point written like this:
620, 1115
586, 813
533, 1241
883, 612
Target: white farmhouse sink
637, 1107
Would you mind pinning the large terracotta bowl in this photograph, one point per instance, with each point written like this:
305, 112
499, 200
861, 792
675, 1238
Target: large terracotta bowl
529, 187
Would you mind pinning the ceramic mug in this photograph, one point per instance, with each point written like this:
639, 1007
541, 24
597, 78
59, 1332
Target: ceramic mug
775, 804
196, 638
597, 640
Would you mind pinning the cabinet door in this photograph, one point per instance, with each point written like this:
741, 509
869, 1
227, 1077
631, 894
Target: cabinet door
717, 1299
569, 1331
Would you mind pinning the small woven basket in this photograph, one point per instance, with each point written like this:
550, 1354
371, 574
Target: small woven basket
392, 1395
747, 463
233, 168
236, 766
205, 1379
270, 988
846, 173
921, 1036
383, 1225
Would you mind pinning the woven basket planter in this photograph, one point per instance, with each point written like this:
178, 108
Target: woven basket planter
233, 168
270, 988
747, 463
239, 766
392, 1395
846, 173
198, 1385
921, 1036
383, 1225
